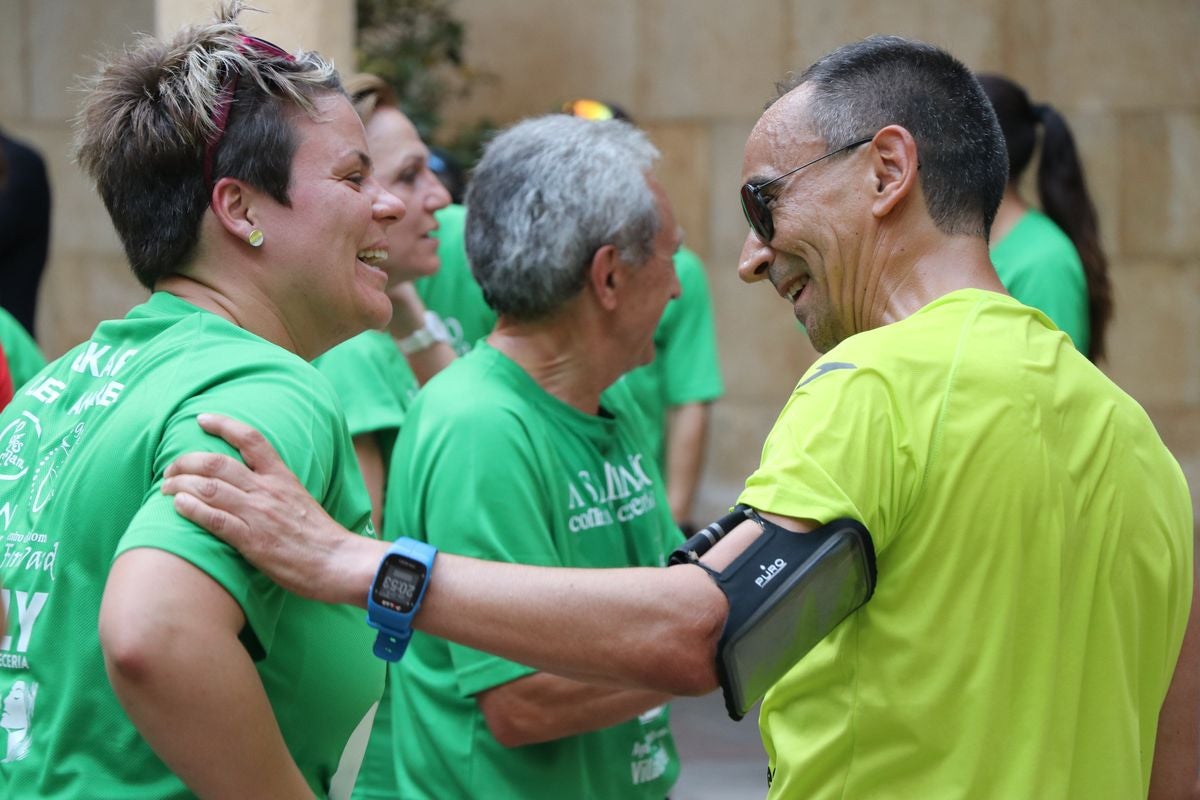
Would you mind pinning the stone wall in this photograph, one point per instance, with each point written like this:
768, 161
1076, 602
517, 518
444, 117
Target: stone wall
695, 73
45, 45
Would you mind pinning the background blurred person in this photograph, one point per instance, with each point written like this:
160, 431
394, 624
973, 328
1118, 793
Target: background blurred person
370, 374
238, 180
24, 230
1049, 259
524, 450
675, 390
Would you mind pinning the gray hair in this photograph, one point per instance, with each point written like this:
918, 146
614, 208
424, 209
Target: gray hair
548, 193
887, 80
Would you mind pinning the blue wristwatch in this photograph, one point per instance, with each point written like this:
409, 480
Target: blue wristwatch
396, 595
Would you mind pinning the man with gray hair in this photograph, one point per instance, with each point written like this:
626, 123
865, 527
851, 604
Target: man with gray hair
571, 239
1033, 632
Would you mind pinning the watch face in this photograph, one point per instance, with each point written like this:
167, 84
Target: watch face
399, 582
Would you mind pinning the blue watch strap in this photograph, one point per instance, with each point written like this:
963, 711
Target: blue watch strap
390, 615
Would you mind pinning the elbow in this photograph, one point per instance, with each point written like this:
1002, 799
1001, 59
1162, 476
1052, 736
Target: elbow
684, 660
135, 647
694, 662
509, 733
128, 652
512, 721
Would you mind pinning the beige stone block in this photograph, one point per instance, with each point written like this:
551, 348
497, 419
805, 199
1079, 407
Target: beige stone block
1154, 342
1118, 54
326, 26
1160, 200
727, 224
1022, 34
970, 29
543, 52
709, 58
79, 33
15, 43
683, 170
739, 428
79, 290
1097, 138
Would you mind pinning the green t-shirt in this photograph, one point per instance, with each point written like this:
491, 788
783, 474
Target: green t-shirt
374, 384
1039, 266
24, 357
685, 368
489, 465
1034, 542
83, 450
452, 291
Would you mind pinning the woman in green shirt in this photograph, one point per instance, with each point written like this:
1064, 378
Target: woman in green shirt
1052, 259
370, 372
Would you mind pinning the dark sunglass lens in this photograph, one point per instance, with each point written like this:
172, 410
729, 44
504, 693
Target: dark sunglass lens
757, 214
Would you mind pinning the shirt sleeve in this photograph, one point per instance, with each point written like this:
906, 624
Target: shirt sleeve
840, 448
480, 491
359, 375
281, 406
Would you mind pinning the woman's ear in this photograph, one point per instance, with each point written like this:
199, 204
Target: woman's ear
895, 163
232, 203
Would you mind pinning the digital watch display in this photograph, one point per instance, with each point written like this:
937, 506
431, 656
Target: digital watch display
400, 579
396, 595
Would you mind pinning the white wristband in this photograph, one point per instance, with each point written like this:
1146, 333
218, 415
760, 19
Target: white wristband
432, 332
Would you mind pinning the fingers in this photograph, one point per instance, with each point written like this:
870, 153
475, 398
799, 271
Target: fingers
256, 451
223, 525
211, 465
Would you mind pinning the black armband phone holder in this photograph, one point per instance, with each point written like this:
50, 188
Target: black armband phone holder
787, 591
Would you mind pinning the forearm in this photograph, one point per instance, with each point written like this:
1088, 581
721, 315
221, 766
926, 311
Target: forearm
687, 435
544, 707
186, 681
647, 628
430, 361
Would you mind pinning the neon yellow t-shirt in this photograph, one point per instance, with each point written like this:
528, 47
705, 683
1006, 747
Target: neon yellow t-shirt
1035, 565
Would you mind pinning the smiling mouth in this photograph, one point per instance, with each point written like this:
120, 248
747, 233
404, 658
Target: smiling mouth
374, 257
795, 289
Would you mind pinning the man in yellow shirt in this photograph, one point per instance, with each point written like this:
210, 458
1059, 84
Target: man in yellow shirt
1033, 535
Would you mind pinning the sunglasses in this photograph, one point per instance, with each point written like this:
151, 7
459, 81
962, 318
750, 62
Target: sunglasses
754, 204
225, 99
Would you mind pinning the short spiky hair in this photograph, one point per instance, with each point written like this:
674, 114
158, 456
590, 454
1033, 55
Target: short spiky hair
887, 80
149, 112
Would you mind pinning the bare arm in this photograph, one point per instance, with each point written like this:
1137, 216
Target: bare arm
186, 681
1177, 746
649, 628
687, 434
542, 707
370, 464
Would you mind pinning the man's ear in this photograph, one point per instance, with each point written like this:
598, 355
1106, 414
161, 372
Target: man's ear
605, 276
894, 162
233, 204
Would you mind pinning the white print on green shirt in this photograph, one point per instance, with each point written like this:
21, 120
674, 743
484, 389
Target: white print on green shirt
29, 606
621, 483
16, 719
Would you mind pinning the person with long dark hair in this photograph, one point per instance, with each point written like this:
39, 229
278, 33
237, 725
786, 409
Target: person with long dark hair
1049, 259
